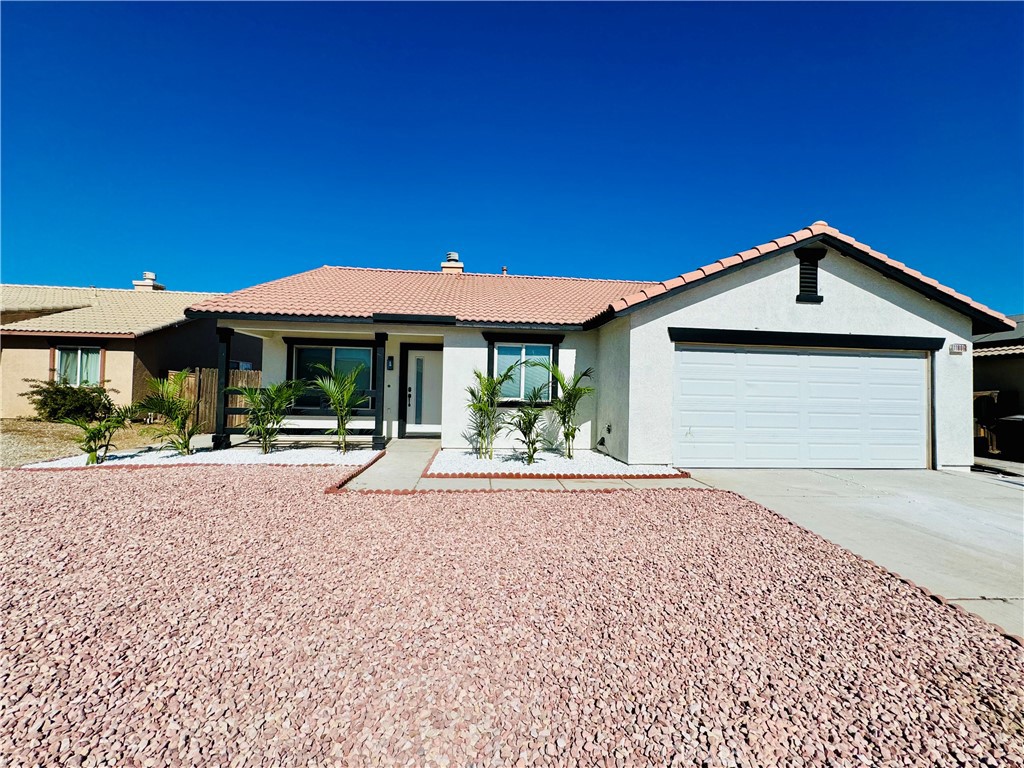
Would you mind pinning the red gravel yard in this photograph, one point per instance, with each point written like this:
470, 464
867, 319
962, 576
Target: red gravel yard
240, 616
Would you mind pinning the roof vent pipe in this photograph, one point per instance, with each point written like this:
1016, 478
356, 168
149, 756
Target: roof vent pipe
504, 270
451, 264
147, 283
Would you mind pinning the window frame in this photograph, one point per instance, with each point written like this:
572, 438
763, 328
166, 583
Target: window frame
522, 364
293, 344
507, 338
61, 351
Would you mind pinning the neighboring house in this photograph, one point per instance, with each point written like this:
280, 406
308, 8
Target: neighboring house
999, 369
812, 350
122, 337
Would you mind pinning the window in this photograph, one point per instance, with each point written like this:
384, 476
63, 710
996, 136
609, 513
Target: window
79, 366
525, 377
338, 359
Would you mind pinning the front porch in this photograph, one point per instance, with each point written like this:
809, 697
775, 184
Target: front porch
400, 377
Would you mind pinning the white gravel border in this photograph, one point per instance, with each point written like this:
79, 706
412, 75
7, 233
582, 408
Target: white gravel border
241, 454
505, 462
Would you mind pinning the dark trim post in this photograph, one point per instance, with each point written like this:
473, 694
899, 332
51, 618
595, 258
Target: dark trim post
378, 394
221, 438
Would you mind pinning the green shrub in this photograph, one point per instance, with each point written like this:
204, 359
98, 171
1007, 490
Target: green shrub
566, 405
170, 398
486, 419
97, 437
341, 392
58, 401
266, 409
525, 423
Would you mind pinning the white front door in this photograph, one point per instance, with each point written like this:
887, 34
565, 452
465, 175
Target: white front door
758, 407
423, 392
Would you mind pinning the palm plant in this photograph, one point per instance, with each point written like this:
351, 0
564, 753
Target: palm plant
485, 417
266, 409
525, 422
168, 398
566, 405
343, 396
97, 438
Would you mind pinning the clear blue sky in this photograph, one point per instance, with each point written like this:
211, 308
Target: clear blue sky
225, 145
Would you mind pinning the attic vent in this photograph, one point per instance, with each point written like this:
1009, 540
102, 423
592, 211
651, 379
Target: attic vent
809, 258
451, 264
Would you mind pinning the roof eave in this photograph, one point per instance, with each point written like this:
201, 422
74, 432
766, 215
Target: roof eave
983, 322
386, 319
65, 334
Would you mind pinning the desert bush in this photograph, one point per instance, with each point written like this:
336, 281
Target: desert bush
167, 398
97, 436
486, 419
267, 407
566, 404
341, 391
59, 401
525, 423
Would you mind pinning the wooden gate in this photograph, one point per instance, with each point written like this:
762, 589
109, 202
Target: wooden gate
202, 385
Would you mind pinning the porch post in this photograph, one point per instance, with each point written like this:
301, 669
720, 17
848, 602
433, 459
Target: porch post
221, 438
378, 393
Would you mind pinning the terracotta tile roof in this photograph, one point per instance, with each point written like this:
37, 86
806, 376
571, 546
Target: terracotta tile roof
66, 310
816, 229
1013, 349
358, 292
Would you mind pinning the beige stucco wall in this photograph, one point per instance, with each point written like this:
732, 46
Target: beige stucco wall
857, 300
28, 357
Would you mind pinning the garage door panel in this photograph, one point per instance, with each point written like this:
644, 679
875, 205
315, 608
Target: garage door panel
799, 408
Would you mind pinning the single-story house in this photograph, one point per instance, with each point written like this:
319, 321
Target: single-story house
122, 337
999, 388
812, 350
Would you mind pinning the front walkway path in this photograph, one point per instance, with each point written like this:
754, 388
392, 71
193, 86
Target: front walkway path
405, 460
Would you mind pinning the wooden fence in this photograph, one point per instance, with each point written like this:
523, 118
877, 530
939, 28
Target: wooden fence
202, 385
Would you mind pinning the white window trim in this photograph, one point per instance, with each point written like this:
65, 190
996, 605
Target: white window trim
61, 351
522, 364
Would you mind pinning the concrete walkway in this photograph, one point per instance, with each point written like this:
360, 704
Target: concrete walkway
405, 460
958, 534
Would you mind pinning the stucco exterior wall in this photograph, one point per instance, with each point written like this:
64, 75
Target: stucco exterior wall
857, 300
28, 357
613, 380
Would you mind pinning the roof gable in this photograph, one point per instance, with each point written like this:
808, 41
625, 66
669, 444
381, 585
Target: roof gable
985, 319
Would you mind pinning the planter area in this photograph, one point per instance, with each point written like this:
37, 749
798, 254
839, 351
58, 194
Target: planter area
241, 454
511, 464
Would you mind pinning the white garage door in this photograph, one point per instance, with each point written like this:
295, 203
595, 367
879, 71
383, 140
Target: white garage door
758, 407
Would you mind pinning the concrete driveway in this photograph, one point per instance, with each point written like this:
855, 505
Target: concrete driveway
960, 535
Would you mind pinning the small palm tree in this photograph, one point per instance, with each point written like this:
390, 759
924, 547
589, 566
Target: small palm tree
525, 422
486, 419
343, 396
97, 437
567, 403
167, 398
266, 409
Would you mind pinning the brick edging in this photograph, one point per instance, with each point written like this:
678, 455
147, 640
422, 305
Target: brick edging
935, 597
339, 487
180, 465
679, 474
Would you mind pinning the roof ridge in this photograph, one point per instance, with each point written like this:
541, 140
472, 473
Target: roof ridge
486, 274
97, 288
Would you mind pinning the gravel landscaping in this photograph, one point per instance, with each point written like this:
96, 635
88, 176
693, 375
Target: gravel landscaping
250, 619
26, 440
242, 454
584, 463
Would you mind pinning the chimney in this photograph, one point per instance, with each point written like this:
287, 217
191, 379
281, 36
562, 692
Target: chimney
147, 283
504, 270
451, 264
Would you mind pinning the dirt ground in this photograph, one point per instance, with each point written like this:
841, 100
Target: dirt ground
26, 440
239, 615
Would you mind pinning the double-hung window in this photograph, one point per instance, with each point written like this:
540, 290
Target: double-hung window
526, 375
79, 366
